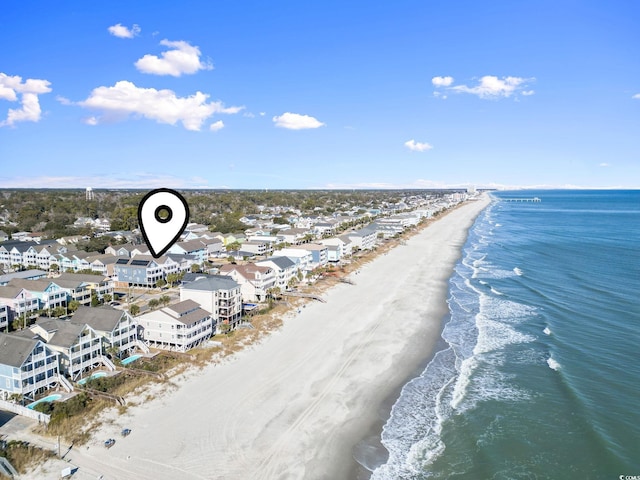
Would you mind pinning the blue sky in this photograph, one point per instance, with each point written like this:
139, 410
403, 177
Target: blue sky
327, 94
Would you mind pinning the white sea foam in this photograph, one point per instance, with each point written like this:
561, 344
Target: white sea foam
517, 271
553, 364
546, 331
496, 292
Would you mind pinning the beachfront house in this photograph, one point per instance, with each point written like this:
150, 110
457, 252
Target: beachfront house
78, 345
363, 239
27, 366
116, 328
255, 281
218, 294
179, 327
284, 270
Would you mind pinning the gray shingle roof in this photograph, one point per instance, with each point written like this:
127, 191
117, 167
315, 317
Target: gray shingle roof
282, 262
182, 307
15, 350
101, 319
212, 283
66, 333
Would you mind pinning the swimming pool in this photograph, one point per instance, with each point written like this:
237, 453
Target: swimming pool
130, 359
49, 398
95, 375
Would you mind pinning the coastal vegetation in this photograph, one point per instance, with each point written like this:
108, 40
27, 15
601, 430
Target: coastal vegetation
54, 211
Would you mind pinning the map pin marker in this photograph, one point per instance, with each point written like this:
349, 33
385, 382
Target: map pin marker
162, 215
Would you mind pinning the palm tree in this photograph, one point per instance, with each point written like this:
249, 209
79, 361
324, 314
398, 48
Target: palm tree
134, 310
153, 303
165, 299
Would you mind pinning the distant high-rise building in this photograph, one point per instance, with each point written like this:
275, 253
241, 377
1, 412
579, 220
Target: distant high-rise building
89, 194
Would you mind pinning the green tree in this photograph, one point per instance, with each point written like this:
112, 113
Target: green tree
161, 283
107, 297
134, 310
164, 300
73, 306
172, 278
195, 268
153, 303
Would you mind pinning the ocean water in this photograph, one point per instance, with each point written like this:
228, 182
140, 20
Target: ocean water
538, 374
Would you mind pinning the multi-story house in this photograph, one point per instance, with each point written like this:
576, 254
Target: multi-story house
49, 294
140, 271
256, 247
80, 287
191, 247
303, 259
342, 242
218, 294
4, 318
78, 345
116, 328
178, 327
318, 253
364, 239
27, 366
19, 301
255, 281
284, 269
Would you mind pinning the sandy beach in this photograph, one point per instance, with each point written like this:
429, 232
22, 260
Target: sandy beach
295, 405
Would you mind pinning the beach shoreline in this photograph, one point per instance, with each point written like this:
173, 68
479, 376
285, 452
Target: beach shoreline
297, 403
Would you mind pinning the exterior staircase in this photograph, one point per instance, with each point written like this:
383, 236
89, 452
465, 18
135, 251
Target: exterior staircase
64, 383
108, 363
142, 346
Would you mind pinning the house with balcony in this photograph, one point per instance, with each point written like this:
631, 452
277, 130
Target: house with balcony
139, 271
191, 247
363, 239
49, 294
294, 236
179, 327
80, 286
303, 259
116, 328
319, 257
78, 345
27, 366
256, 247
255, 281
18, 301
284, 270
218, 294
126, 250
4, 318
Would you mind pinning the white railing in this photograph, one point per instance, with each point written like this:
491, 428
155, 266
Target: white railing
65, 383
24, 411
107, 363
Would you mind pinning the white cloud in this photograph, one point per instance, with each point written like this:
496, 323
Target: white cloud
604, 164
636, 96
492, 87
121, 31
181, 58
215, 126
417, 146
442, 81
295, 121
125, 99
28, 90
